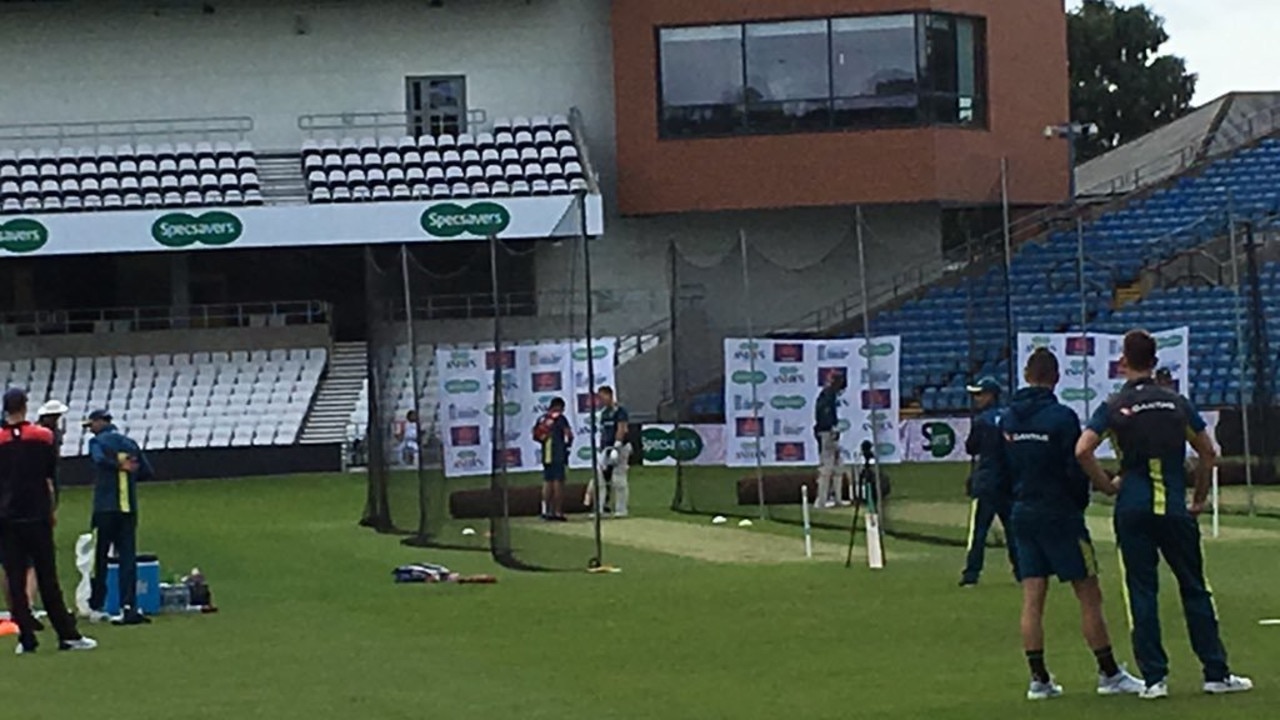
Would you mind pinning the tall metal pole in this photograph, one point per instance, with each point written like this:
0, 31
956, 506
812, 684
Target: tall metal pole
413, 379
1011, 334
1259, 350
673, 312
751, 353
1072, 135
1241, 353
598, 499
498, 473
868, 354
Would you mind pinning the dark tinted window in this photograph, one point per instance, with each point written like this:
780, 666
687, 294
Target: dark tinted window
812, 75
702, 80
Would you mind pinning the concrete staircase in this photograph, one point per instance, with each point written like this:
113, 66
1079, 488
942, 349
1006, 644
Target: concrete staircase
281, 178
339, 391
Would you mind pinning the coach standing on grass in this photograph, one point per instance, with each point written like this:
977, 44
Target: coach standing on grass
27, 456
1150, 426
118, 464
990, 486
826, 427
1051, 494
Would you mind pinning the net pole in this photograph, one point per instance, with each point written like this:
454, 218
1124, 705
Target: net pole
500, 542
1241, 352
1084, 309
1010, 334
1261, 353
867, 354
677, 406
422, 532
598, 499
751, 341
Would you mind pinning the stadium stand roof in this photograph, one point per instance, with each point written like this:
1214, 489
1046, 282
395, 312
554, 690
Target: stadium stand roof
1216, 127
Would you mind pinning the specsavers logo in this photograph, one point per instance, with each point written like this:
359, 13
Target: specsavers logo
508, 409
598, 352
787, 402
449, 220
681, 444
22, 236
1078, 394
939, 439
871, 350
1164, 342
747, 377
180, 230
462, 387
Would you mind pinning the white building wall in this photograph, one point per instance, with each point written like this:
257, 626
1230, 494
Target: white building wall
274, 61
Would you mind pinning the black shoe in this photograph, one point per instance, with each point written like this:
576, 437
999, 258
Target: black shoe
132, 618
39, 626
559, 518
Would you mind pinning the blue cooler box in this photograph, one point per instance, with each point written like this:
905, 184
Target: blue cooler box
148, 585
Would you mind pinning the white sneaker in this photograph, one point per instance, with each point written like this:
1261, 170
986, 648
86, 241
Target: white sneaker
83, 643
1044, 691
829, 504
1122, 683
20, 650
97, 616
1232, 684
1157, 691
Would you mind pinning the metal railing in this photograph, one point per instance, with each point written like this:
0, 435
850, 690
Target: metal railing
139, 319
398, 120
163, 129
545, 303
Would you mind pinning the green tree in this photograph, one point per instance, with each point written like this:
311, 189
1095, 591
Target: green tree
1119, 80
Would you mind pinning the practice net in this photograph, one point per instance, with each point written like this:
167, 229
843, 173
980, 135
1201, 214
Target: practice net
457, 383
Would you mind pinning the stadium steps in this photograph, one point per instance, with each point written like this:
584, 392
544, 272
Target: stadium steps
337, 396
281, 178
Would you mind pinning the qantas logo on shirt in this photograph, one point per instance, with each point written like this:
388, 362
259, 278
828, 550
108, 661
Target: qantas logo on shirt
1027, 437
1144, 407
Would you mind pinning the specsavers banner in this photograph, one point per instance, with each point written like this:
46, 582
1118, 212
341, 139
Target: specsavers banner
532, 375
294, 226
933, 440
686, 444
770, 387
1090, 364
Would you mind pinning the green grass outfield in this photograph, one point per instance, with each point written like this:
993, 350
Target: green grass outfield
312, 626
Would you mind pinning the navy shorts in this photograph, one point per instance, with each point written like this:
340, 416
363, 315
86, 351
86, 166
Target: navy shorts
553, 473
1054, 545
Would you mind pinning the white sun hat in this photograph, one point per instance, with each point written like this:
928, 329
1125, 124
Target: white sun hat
53, 407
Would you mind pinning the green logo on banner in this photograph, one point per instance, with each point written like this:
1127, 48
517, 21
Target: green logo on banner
584, 453
786, 402
884, 450
508, 409
1078, 394
482, 219
1040, 341
843, 426
747, 377
179, 230
681, 444
939, 439
876, 349
462, 387
597, 352
1168, 341
22, 236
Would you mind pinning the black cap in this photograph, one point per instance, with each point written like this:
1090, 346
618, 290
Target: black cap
99, 414
15, 400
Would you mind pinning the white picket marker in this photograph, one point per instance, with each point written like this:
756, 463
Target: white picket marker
804, 505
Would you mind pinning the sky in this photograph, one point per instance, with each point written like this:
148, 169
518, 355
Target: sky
1231, 44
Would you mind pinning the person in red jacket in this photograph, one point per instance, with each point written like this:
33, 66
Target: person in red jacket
27, 458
